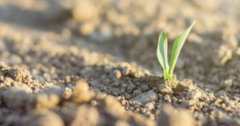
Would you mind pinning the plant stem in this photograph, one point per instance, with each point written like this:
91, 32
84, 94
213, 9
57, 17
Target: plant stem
167, 76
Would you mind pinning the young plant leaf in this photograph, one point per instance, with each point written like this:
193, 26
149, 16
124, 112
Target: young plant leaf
177, 46
162, 49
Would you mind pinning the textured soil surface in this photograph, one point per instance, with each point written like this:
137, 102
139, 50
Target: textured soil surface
93, 63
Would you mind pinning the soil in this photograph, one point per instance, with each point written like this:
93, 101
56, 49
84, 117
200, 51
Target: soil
93, 63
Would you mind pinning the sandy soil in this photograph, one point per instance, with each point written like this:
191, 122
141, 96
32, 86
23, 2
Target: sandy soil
93, 63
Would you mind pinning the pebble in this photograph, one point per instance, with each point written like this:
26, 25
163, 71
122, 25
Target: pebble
165, 89
167, 98
125, 71
227, 84
150, 106
144, 87
117, 74
19, 74
194, 94
137, 92
184, 86
146, 97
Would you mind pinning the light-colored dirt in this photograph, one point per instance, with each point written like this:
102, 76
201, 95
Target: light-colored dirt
93, 62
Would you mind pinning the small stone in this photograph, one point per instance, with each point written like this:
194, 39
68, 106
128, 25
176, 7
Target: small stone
222, 93
224, 55
150, 106
146, 97
137, 92
227, 84
165, 89
125, 71
19, 75
153, 79
194, 94
174, 99
184, 86
67, 79
188, 103
167, 98
67, 93
100, 96
117, 74
3, 66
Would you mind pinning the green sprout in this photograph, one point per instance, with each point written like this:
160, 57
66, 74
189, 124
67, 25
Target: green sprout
162, 52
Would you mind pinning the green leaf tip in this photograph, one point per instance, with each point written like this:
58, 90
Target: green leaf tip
162, 51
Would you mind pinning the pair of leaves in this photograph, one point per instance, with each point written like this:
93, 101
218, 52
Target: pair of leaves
162, 51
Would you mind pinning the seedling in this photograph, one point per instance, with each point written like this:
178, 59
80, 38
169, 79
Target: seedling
162, 52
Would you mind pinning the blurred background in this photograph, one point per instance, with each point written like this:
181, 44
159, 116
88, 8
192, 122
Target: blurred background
127, 30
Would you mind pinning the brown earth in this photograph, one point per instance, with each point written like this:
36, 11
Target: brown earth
93, 63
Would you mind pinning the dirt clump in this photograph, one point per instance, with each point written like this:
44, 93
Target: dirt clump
36, 118
86, 115
48, 101
81, 93
170, 117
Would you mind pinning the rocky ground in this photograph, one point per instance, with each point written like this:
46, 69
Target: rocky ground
93, 63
